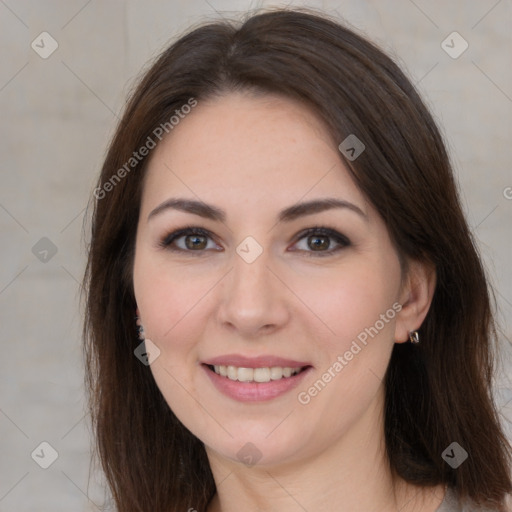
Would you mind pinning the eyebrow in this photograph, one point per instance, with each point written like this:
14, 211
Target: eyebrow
287, 215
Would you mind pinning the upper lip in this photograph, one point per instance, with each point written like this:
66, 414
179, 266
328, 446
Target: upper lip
254, 362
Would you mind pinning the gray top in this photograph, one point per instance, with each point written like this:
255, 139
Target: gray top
452, 504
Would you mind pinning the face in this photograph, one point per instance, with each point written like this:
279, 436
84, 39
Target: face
275, 312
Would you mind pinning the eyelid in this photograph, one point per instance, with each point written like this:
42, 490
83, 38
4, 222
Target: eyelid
342, 240
190, 230
186, 230
339, 238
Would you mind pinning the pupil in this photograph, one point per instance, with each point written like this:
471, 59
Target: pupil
324, 242
195, 238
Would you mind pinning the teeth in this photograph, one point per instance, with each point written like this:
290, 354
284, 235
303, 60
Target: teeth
232, 372
245, 374
262, 374
255, 374
276, 373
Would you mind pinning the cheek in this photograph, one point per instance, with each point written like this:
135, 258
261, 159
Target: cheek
168, 299
356, 304
171, 302
352, 299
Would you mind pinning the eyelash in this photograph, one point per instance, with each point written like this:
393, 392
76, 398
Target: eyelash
342, 240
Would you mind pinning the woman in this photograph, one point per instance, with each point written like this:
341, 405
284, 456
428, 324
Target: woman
277, 220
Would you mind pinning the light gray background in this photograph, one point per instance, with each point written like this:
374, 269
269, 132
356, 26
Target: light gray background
57, 117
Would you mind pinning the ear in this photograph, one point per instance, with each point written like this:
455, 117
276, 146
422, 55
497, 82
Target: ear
415, 297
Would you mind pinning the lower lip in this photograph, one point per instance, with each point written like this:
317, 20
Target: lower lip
254, 391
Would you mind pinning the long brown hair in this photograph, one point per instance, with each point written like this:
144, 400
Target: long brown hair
437, 392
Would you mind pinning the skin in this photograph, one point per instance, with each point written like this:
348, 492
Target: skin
252, 157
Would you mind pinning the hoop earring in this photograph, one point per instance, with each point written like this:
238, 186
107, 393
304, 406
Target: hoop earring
414, 337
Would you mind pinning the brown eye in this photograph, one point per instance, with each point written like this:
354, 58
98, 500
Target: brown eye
189, 239
194, 242
319, 241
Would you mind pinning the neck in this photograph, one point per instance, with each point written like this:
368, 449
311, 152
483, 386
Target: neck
352, 474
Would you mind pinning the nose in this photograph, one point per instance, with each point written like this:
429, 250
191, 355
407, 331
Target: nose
254, 300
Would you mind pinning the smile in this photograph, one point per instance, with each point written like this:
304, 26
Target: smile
256, 384
264, 374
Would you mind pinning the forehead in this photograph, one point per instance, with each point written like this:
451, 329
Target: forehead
241, 147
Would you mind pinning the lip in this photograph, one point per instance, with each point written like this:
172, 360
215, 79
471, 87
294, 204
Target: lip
254, 362
255, 391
